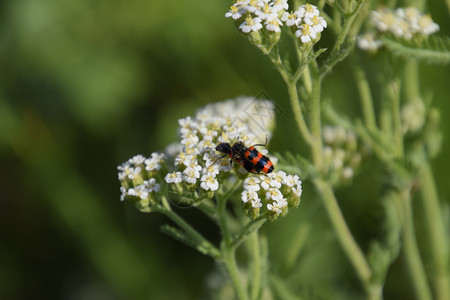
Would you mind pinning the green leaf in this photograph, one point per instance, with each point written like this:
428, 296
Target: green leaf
183, 237
434, 50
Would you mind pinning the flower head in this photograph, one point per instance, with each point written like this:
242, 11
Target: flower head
197, 171
403, 22
292, 18
305, 33
251, 24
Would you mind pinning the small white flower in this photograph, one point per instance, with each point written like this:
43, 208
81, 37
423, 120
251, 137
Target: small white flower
265, 182
278, 178
308, 11
194, 166
291, 180
235, 12
305, 33
152, 164
139, 191
190, 176
174, 177
252, 184
274, 194
187, 125
211, 169
291, 19
190, 140
206, 144
297, 191
427, 26
253, 5
347, 173
248, 195
209, 182
151, 185
256, 203
273, 24
274, 207
134, 172
137, 159
184, 159
266, 12
251, 24
368, 42
279, 5
317, 23
123, 193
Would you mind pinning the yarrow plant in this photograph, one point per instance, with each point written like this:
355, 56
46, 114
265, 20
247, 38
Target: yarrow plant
262, 21
211, 168
405, 23
193, 172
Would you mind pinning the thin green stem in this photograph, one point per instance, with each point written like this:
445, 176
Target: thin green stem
278, 63
252, 226
348, 21
228, 250
436, 233
411, 81
194, 234
411, 251
345, 238
221, 212
229, 260
394, 97
316, 125
366, 98
256, 273
307, 81
298, 114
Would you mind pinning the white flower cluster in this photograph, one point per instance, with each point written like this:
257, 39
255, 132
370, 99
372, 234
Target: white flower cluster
138, 179
273, 193
198, 170
341, 153
368, 41
413, 116
199, 163
402, 22
251, 15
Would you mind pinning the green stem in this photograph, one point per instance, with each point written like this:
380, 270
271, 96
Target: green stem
394, 95
347, 24
292, 90
194, 234
345, 238
233, 271
411, 81
252, 226
228, 250
307, 81
316, 125
256, 274
436, 232
366, 97
298, 114
411, 251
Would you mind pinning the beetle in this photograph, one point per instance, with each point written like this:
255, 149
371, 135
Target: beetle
248, 157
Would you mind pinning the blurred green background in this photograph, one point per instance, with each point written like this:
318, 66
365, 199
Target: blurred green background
85, 85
